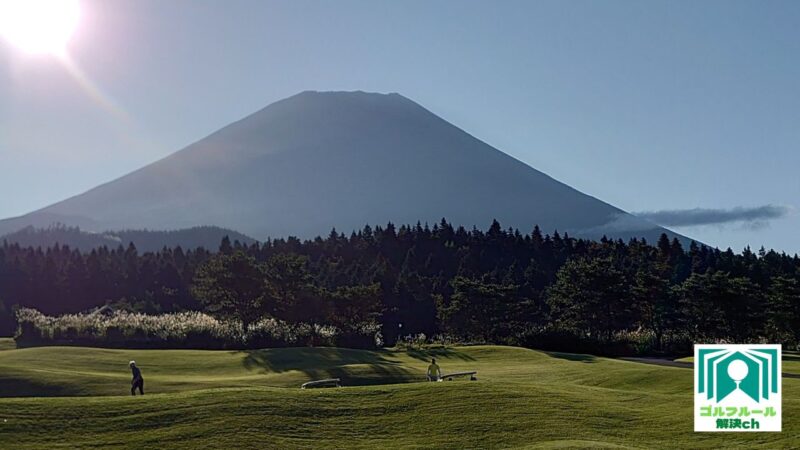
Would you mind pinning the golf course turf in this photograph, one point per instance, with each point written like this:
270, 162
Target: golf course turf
65, 397
791, 362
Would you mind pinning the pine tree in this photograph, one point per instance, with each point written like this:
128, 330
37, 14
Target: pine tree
231, 287
589, 296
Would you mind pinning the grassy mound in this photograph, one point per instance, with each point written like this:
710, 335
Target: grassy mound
7, 344
791, 362
222, 399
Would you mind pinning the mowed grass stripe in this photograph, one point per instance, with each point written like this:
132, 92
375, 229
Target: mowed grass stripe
442, 415
7, 344
85, 371
791, 362
523, 398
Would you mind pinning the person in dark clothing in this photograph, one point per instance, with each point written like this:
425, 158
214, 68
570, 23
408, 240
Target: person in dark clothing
138, 381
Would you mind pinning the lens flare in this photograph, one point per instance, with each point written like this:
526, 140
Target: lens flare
39, 26
92, 89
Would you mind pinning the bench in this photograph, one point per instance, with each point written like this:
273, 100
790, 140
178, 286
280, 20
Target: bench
450, 376
328, 382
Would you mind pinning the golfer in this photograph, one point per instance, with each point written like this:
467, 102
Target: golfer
138, 381
434, 372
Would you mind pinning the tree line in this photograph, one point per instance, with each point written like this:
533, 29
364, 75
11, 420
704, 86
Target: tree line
498, 285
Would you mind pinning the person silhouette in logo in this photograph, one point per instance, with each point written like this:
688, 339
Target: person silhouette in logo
434, 372
137, 382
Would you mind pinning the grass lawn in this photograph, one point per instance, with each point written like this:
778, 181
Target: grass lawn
791, 362
7, 344
68, 396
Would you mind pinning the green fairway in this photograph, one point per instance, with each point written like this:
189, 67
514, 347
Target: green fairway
791, 362
7, 344
225, 399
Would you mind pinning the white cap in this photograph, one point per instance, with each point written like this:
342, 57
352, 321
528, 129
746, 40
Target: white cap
132, 363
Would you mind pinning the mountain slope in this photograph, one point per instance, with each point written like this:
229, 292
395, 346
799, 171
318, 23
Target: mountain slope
315, 161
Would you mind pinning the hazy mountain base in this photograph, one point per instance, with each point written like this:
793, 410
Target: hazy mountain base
207, 237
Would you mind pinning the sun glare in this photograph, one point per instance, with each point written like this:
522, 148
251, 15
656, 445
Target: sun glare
39, 26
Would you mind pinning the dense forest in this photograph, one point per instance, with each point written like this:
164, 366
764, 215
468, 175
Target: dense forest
502, 286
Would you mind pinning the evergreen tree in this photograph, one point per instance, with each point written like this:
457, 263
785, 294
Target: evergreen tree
589, 296
655, 301
478, 310
287, 285
783, 310
231, 287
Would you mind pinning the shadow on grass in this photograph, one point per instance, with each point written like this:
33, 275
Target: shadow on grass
19, 386
354, 367
437, 352
7, 344
793, 356
572, 357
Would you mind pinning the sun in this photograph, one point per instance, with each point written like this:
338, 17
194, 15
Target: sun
39, 26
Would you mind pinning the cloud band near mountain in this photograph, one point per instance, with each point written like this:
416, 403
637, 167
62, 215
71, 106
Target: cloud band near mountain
707, 216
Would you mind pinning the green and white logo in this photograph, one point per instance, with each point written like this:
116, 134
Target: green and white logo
737, 387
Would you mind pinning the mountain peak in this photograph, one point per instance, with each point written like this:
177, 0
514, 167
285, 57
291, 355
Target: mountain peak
355, 94
307, 100
319, 160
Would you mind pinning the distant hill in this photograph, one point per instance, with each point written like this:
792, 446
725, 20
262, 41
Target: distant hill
320, 160
144, 240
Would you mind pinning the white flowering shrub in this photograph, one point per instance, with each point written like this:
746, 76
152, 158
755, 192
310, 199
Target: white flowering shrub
190, 329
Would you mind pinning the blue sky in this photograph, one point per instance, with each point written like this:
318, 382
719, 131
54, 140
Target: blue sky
650, 106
